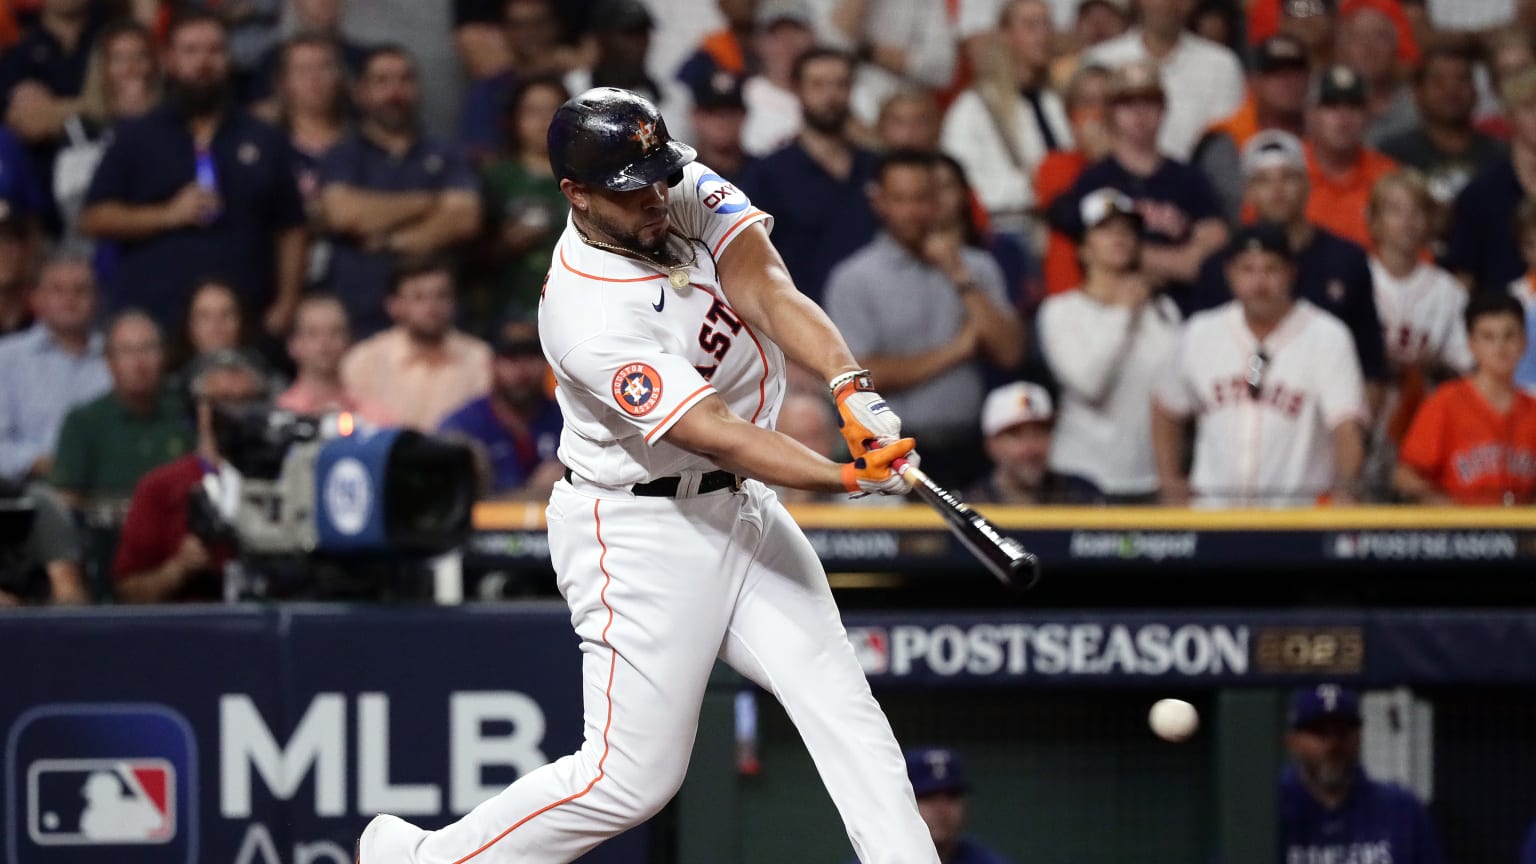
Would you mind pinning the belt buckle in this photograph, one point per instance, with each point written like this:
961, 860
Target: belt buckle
737, 481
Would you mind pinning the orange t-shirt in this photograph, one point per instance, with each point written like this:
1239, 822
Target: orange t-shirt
1478, 456
1338, 204
1264, 22
1053, 178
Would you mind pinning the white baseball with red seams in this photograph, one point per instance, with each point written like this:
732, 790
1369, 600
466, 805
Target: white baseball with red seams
660, 587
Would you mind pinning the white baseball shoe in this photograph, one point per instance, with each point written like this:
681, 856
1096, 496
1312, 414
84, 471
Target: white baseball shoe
389, 840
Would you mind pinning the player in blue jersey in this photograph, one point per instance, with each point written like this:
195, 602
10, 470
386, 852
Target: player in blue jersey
1330, 811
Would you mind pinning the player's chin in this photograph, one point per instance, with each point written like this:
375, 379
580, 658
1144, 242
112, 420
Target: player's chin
650, 233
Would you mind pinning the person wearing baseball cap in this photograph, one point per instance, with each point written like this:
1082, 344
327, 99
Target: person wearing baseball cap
1106, 343
515, 428
1274, 387
1329, 808
718, 113
1184, 222
1341, 167
1016, 423
940, 784
1204, 80
1277, 99
1331, 272
1367, 42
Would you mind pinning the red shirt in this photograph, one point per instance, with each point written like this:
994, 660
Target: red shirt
1475, 454
157, 522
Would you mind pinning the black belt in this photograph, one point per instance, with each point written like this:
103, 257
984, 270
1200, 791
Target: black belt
666, 487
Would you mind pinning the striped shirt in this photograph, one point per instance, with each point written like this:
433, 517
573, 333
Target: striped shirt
39, 382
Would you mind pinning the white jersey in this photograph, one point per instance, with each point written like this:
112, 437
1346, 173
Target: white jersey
632, 354
1275, 449
1421, 317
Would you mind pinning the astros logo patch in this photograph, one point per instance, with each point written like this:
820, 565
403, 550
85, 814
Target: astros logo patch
637, 389
646, 136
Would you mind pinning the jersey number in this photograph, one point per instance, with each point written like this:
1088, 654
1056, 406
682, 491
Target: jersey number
714, 341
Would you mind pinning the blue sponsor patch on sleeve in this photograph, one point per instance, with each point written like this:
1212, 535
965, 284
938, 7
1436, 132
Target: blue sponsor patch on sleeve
720, 196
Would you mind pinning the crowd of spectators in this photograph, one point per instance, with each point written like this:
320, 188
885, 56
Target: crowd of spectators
1118, 251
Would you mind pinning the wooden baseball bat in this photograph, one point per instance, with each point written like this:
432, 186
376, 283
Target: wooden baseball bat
1005, 557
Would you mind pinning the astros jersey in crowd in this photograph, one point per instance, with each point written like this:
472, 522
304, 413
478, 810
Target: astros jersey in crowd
1461, 444
623, 336
1273, 446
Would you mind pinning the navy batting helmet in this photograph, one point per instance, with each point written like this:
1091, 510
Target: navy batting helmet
615, 139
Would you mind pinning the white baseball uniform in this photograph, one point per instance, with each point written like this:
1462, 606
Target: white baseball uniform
1275, 449
659, 587
1421, 317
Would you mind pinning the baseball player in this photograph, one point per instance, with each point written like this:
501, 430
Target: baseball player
1330, 810
667, 318
1275, 386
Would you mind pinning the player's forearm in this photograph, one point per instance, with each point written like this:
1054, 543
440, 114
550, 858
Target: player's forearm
113, 220
712, 431
760, 288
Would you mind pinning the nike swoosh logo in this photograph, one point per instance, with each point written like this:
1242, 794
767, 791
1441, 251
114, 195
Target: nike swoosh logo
662, 302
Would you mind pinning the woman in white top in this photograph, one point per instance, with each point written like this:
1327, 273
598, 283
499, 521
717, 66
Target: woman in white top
1107, 343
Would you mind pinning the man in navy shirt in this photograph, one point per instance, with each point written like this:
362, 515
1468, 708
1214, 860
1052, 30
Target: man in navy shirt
389, 191
1330, 811
532, 34
938, 781
516, 426
817, 186
1181, 216
1482, 250
198, 188
1331, 272
41, 76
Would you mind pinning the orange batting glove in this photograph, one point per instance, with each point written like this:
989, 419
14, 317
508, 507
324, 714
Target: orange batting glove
874, 472
863, 416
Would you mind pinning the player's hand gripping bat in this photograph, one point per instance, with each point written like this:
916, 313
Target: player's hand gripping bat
1005, 557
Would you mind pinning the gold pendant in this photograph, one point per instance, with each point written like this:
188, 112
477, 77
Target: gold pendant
678, 278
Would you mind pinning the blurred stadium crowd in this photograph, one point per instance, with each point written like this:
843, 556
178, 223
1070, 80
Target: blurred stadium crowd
1268, 253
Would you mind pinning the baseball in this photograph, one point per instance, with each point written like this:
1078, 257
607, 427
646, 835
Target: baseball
1173, 719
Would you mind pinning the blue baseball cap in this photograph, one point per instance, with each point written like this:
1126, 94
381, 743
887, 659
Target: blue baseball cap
1312, 705
935, 769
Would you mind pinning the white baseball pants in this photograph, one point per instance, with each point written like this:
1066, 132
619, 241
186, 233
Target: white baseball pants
658, 588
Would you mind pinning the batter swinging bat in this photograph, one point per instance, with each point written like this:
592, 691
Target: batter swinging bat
1005, 557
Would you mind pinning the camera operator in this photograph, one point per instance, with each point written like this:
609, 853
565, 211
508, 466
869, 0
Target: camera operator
159, 559
39, 550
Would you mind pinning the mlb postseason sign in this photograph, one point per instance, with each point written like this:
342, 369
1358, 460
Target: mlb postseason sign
271, 736
1193, 649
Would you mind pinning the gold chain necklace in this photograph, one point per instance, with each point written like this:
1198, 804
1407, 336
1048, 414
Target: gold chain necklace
677, 275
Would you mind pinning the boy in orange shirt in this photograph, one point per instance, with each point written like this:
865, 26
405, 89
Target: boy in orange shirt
1474, 439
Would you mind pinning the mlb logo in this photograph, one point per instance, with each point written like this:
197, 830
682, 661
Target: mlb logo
87, 783
871, 646
101, 802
